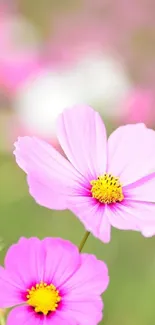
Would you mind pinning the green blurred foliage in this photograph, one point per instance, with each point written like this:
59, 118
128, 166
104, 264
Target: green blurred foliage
41, 12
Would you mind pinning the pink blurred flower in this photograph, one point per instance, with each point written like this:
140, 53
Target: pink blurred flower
53, 283
138, 107
125, 28
104, 183
73, 37
20, 49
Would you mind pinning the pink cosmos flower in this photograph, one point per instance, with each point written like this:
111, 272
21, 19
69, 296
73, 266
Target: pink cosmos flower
105, 183
53, 283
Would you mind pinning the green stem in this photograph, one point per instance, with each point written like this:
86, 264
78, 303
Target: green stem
2, 320
84, 239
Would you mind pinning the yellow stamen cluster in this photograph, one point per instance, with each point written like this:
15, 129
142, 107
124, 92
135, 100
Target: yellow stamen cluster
44, 298
107, 189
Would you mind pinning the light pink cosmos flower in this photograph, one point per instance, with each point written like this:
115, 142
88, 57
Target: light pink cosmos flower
105, 183
53, 283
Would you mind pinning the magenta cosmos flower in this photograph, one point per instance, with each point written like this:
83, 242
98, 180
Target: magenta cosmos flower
105, 183
53, 283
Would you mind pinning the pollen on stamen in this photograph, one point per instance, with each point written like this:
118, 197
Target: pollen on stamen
107, 189
43, 298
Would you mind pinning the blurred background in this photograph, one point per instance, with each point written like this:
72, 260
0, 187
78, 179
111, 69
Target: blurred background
55, 54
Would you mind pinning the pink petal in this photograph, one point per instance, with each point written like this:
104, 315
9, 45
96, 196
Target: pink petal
50, 175
142, 190
62, 260
26, 259
105, 227
23, 315
130, 152
83, 312
92, 215
60, 318
45, 193
90, 277
132, 215
82, 136
81, 293
119, 217
11, 291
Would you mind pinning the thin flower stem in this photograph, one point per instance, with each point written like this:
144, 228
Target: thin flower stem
2, 320
84, 239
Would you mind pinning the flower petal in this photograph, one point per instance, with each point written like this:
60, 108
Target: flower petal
130, 154
50, 175
60, 317
81, 292
90, 277
142, 190
92, 215
105, 227
83, 312
82, 136
11, 291
62, 260
26, 259
23, 315
132, 215
46, 193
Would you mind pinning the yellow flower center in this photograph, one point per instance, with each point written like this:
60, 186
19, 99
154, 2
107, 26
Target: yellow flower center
44, 298
107, 189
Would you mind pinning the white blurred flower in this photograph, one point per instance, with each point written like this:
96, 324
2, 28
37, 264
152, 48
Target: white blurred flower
102, 79
94, 80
